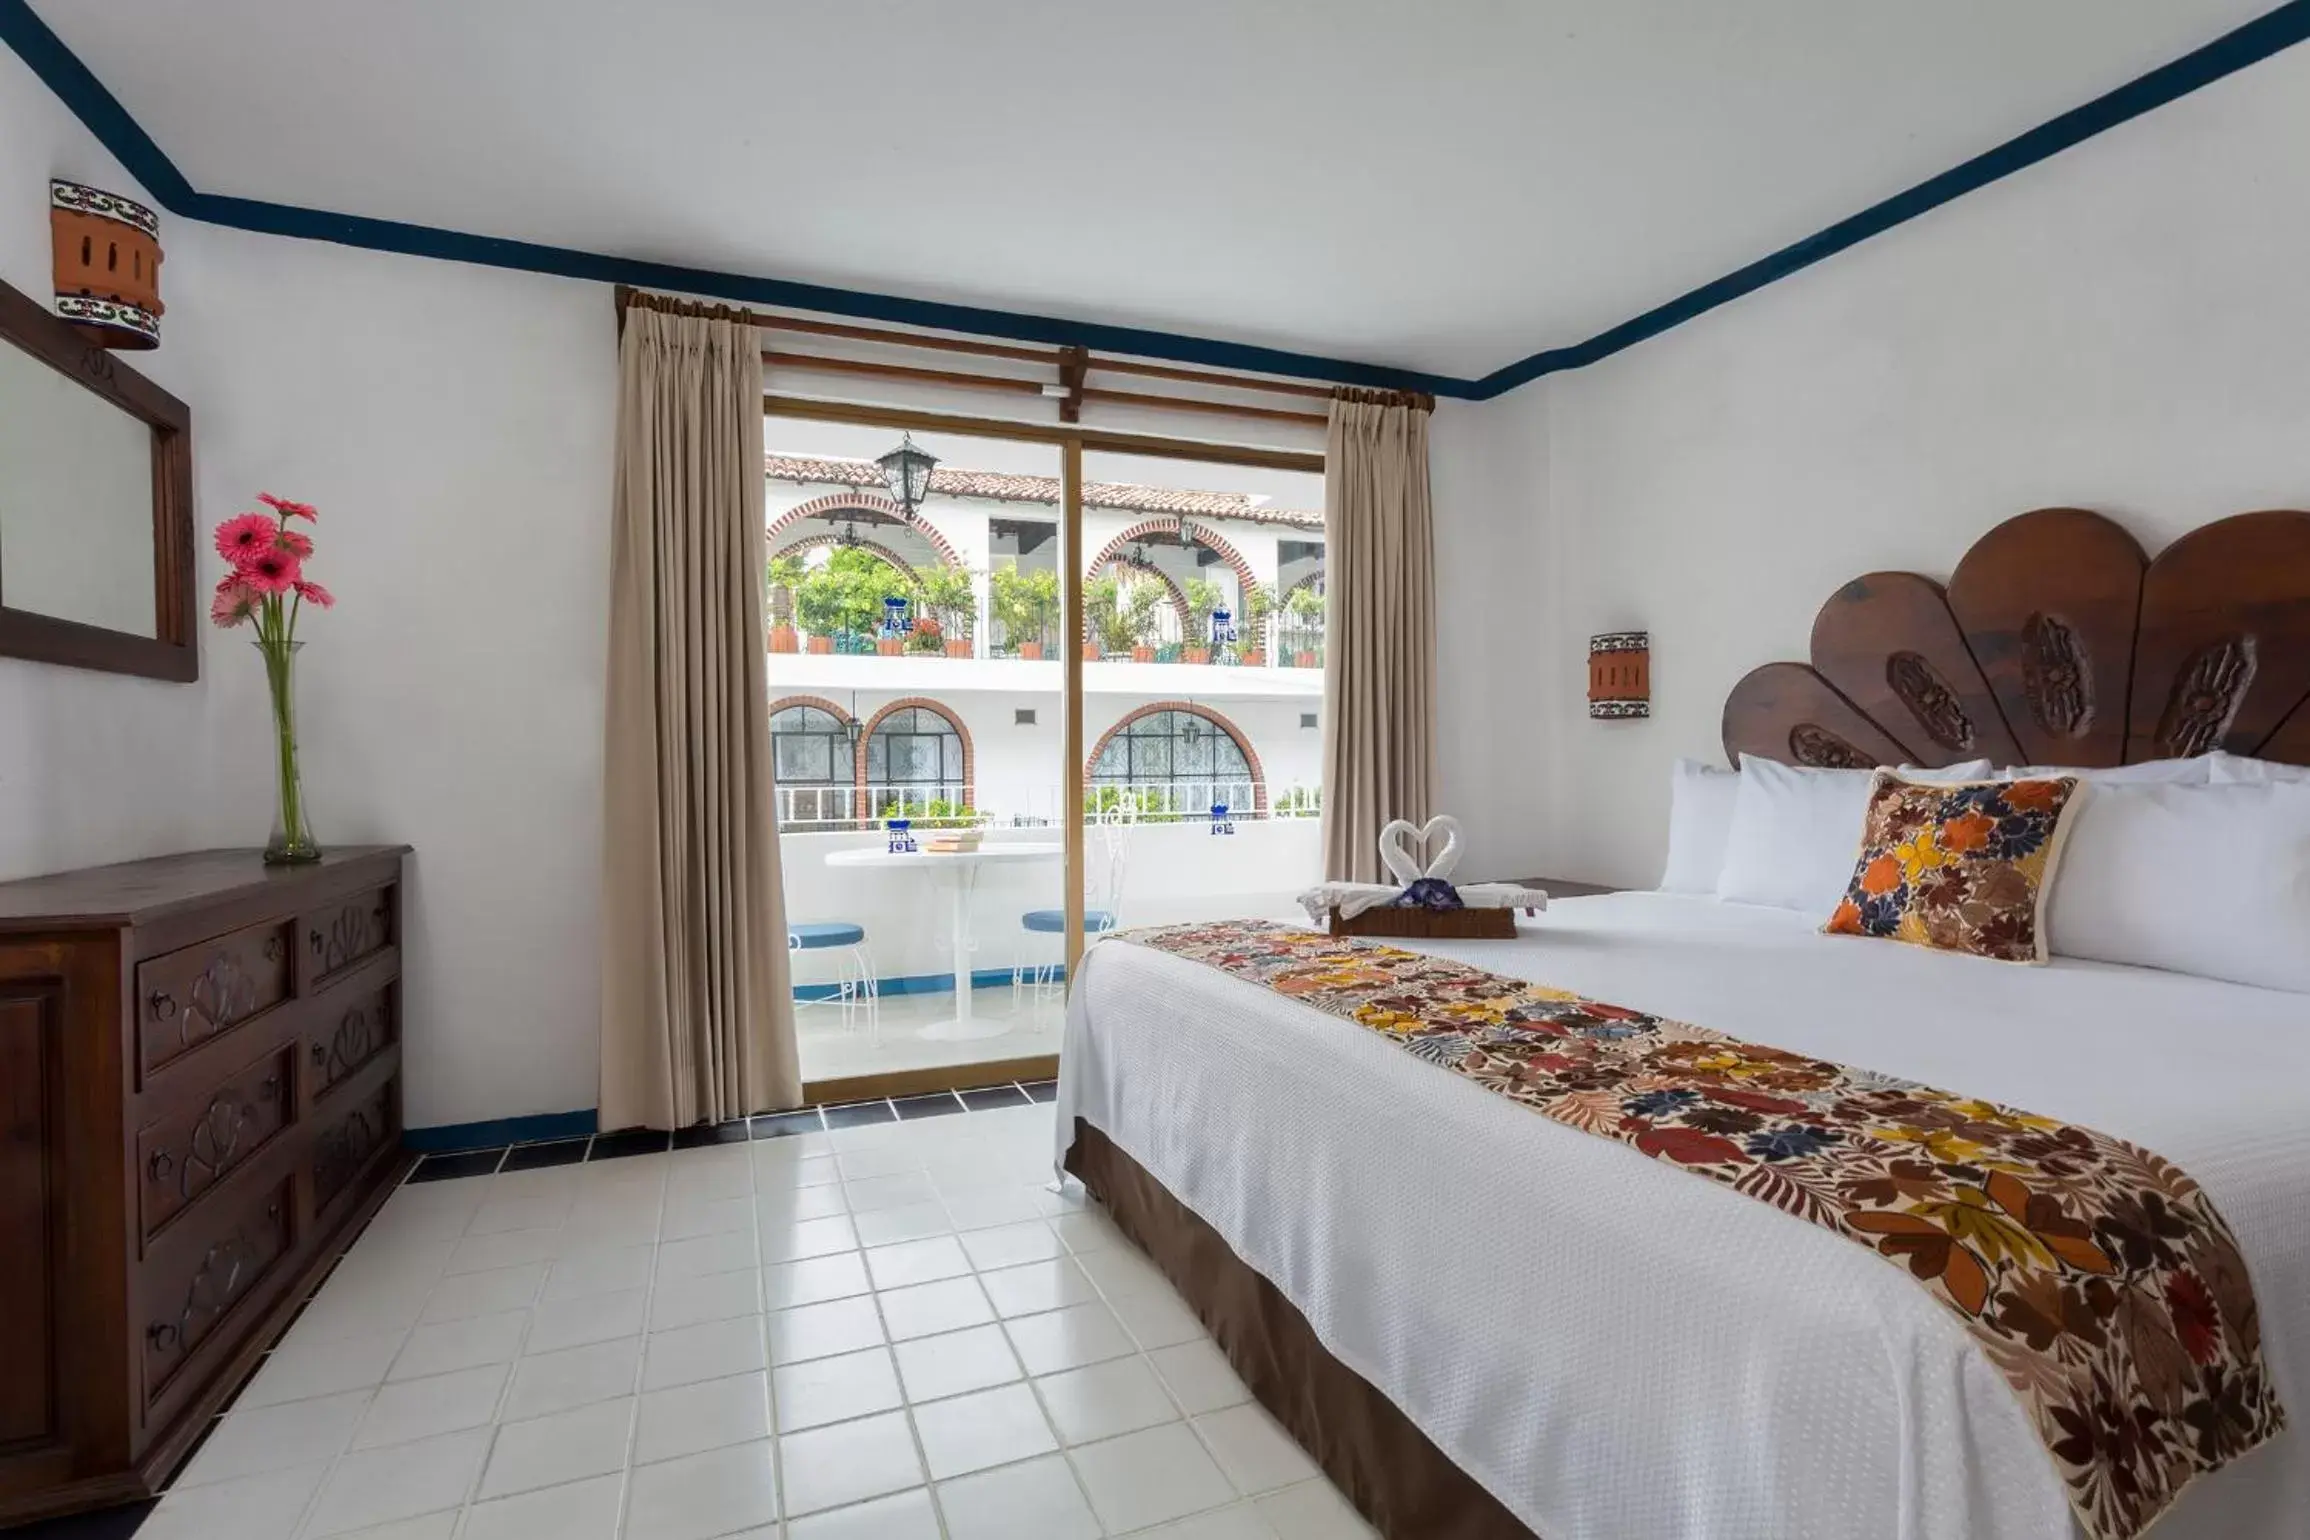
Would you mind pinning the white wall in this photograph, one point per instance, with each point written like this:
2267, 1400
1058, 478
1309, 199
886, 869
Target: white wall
453, 424
1498, 689
2121, 328
93, 768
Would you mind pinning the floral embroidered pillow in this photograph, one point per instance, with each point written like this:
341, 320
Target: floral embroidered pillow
1964, 868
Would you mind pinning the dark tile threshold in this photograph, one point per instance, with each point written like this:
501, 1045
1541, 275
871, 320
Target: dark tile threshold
932, 1105
554, 1152
858, 1114
767, 1125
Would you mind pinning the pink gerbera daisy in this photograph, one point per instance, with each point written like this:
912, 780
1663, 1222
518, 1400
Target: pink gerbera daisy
288, 509
234, 603
245, 536
296, 542
314, 593
271, 572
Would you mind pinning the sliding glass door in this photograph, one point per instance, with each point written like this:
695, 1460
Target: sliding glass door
1007, 673
1203, 584
915, 594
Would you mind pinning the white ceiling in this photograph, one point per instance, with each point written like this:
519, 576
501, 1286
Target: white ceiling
1440, 184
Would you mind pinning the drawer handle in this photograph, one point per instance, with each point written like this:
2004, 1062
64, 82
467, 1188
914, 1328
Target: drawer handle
267, 1089
320, 1056
272, 948
161, 1334
162, 1005
162, 1164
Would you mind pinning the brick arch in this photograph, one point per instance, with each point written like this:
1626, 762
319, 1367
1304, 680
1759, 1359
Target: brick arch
1200, 532
813, 542
953, 720
1316, 576
866, 502
1177, 595
1224, 724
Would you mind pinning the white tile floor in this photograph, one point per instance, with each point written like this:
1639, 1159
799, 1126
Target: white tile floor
890, 1332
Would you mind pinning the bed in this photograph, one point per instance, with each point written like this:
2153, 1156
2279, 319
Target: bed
1484, 1322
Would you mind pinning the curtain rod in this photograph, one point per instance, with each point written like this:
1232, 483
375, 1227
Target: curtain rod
1071, 363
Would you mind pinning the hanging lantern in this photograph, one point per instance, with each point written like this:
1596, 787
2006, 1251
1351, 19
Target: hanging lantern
906, 471
107, 259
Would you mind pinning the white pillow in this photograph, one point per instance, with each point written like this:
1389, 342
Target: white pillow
2150, 772
2210, 880
1797, 832
1700, 814
2238, 770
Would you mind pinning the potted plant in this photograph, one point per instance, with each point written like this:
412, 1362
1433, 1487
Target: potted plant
818, 605
1305, 607
1258, 604
951, 600
1203, 596
1024, 602
786, 574
1138, 614
1109, 630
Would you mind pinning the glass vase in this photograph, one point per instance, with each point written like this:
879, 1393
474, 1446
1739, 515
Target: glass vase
292, 843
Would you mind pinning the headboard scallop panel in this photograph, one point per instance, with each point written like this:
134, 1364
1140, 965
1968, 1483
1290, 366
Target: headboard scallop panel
2056, 642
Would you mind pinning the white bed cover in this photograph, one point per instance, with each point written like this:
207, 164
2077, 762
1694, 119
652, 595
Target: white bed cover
1619, 1350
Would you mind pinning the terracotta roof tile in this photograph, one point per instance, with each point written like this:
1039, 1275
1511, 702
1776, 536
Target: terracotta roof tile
1001, 486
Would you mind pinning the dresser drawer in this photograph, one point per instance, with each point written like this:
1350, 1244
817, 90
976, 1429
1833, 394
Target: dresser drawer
337, 937
183, 1155
187, 997
201, 1281
347, 1141
347, 1036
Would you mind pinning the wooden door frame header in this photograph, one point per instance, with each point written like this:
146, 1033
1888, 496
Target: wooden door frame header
1069, 369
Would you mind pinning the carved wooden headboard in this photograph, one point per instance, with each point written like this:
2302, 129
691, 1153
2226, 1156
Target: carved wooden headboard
2056, 642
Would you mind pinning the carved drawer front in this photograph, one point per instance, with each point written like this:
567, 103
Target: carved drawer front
348, 1141
183, 1156
347, 1037
341, 935
196, 1287
187, 997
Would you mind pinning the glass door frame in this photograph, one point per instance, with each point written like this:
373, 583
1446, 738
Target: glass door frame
1071, 439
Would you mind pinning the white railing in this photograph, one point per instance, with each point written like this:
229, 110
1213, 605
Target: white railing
808, 809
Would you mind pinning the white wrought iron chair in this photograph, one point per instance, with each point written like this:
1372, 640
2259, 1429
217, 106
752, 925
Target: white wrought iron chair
1111, 832
856, 992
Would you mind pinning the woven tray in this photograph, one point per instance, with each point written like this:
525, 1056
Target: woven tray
1432, 924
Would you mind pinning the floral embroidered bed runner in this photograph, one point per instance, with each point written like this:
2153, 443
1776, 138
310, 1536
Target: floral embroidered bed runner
2096, 1276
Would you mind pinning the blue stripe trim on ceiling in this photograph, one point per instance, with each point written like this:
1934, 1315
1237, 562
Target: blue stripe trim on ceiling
118, 132
2233, 51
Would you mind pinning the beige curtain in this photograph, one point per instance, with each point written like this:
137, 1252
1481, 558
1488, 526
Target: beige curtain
1379, 688
697, 1009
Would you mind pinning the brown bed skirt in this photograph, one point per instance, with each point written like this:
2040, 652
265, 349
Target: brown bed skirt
1401, 1482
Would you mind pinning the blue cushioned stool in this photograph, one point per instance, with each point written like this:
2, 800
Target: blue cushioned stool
1113, 831
855, 991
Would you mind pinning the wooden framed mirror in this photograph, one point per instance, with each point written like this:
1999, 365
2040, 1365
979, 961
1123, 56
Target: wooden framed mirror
96, 529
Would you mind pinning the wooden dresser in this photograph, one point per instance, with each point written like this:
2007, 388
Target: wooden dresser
200, 1098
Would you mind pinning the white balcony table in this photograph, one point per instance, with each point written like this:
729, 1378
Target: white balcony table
958, 871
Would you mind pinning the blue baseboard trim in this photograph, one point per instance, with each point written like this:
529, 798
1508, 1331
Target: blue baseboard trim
496, 1132
921, 984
